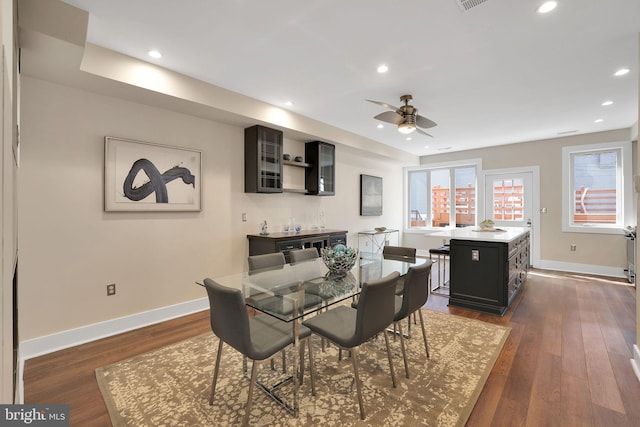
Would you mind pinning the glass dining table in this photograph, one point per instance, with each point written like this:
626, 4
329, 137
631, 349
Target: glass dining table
293, 291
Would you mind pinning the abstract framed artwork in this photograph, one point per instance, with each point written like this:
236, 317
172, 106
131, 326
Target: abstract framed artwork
141, 176
370, 195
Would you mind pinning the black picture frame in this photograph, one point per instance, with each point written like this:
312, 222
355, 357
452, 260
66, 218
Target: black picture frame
370, 195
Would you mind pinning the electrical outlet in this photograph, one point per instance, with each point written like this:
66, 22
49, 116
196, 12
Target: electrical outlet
244, 217
111, 289
573, 247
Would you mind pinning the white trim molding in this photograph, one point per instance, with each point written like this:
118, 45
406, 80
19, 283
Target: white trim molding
570, 267
635, 362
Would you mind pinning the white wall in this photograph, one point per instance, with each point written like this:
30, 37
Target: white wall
71, 249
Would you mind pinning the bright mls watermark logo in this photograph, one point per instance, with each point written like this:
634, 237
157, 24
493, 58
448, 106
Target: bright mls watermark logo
34, 415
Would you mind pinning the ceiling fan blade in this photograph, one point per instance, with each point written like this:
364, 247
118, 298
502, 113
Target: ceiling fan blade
384, 104
423, 132
390, 117
423, 122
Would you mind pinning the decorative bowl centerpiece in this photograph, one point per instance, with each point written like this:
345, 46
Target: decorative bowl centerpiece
487, 224
380, 229
339, 259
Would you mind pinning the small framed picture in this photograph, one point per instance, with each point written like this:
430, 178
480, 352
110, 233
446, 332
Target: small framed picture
370, 195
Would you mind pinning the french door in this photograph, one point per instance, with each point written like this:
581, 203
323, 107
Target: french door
512, 199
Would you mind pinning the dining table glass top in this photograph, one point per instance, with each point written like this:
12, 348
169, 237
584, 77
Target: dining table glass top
294, 290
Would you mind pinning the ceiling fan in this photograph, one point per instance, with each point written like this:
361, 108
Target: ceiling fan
406, 117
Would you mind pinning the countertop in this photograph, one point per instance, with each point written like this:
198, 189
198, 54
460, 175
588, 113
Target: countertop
471, 233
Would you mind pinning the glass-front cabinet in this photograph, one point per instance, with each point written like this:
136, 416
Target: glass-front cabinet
320, 177
262, 160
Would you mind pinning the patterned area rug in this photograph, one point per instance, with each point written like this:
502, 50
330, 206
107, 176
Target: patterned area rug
170, 386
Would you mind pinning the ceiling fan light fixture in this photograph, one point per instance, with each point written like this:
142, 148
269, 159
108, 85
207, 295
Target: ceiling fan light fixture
621, 72
406, 128
547, 6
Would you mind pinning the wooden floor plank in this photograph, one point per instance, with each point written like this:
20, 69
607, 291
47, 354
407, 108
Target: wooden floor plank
544, 406
575, 402
604, 389
629, 386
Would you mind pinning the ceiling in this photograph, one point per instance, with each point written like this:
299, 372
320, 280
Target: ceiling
494, 74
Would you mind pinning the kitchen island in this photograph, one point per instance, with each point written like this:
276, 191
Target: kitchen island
487, 268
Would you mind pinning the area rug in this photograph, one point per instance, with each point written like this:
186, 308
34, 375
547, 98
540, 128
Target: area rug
170, 386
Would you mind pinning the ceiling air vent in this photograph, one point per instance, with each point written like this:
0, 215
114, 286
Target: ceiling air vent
468, 4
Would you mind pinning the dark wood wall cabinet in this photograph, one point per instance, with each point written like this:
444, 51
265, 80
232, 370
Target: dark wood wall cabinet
486, 275
262, 160
285, 242
263, 164
320, 177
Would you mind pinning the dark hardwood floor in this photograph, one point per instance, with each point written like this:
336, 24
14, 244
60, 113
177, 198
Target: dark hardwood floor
565, 363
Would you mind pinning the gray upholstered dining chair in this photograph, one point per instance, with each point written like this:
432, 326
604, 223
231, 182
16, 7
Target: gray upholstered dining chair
414, 296
398, 252
298, 255
348, 328
257, 262
258, 338
274, 260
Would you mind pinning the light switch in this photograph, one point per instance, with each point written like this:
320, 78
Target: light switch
475, 255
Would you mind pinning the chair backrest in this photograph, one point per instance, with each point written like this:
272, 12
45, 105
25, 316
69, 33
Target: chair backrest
228, 316
257, 262
298, 255
398, 251
416, 289
376, 307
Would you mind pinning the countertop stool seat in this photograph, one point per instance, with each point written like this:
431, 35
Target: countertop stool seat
441, 257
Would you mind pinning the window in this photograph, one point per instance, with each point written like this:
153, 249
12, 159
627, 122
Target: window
596, 188
508, 200
430, 202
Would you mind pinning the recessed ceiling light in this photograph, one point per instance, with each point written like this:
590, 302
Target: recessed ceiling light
547, 6
621, 72
607, 103
598, 121
380, 126
383, 68
409, 138
426, 146
288, 103
155, 54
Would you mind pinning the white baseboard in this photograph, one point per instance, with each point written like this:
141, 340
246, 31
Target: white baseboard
635, 362
598, 270
65, 339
